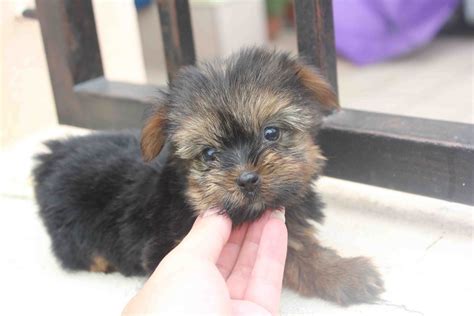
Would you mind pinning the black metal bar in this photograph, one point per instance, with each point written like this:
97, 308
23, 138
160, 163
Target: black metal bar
84, 56
315, 31
420, 156
72, 51
114, 105
178, 43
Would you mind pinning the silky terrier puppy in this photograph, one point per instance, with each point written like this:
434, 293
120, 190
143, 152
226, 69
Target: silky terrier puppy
238, 134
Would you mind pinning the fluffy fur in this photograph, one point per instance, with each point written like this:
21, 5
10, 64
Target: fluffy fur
121, 201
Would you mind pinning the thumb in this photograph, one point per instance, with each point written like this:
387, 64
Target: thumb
207, 237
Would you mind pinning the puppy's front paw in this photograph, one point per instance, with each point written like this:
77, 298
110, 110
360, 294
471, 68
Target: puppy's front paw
352, 281
325, 274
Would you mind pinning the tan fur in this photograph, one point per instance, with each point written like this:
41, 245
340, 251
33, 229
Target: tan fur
197, 134
323, 92
100, 264
207, 189
313, 155
313, 270
254, 111
295, 244
274, 108
153, 138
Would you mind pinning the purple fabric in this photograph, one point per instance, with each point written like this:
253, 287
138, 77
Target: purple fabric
369, 31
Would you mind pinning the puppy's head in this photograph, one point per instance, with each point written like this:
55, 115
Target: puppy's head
244, 129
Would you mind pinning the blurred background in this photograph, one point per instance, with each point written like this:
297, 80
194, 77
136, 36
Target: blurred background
407, 57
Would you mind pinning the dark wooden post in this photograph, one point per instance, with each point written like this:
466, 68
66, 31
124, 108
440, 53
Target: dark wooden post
72, 51
315, 30
177, 33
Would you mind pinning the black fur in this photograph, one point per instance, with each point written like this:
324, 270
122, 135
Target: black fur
98, 197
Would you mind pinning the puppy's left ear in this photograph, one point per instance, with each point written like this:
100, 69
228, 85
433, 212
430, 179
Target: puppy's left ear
321, 90
153, 134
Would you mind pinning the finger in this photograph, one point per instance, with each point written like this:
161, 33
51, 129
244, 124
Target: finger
231, 250
238, 278
207, 237
265, 284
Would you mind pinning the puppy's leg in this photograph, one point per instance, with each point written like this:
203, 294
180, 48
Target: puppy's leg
313, 270
154, 251
100, 264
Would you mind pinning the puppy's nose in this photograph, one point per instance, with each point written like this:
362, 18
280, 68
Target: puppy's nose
248, 180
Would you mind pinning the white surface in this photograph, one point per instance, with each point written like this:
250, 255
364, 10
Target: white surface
422, 246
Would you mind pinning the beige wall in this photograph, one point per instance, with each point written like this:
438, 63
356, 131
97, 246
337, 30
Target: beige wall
26, 98
117, 28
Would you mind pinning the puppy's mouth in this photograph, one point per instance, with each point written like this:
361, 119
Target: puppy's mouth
250, 210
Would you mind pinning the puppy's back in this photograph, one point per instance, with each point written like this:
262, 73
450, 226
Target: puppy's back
85, 155
76, 183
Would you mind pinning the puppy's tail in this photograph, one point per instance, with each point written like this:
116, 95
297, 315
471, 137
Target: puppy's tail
45, 162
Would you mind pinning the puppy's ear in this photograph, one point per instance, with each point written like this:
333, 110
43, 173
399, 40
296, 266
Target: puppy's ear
322, 91
153, 135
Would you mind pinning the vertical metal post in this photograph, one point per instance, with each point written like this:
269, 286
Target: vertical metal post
177, 34
315, 30
72, 51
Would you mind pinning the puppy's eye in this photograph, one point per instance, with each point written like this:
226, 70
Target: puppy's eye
271, 133
209, 154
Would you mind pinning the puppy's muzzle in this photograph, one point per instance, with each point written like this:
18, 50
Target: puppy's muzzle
248, 181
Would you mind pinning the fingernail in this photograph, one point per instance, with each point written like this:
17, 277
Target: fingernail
279, 213
210, 212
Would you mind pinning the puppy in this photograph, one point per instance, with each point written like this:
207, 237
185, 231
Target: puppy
238, 135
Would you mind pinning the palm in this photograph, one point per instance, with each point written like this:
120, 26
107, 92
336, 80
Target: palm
252, 264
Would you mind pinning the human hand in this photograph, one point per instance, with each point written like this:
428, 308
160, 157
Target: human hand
215, 270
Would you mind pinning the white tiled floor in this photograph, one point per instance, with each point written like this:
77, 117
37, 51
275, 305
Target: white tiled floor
424, 249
